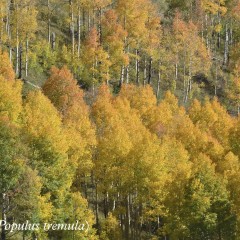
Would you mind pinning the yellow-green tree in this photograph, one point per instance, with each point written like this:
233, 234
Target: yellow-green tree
113, 36
48, 149
64, 92
6, 69
95, 60
191, 52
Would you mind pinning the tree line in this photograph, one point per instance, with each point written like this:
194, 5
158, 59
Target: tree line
188, 47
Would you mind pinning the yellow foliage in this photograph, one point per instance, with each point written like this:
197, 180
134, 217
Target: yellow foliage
10, 99
6, 69
77, 210
142, 99
43, 121
45, 208
214, 6
63, 91
218, 28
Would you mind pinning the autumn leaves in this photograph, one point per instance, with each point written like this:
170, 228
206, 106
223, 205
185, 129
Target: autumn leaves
126, 163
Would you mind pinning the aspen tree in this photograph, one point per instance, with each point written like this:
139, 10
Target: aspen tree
63, 91
47, 141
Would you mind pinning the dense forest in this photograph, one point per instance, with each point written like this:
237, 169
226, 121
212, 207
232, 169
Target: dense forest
123, 115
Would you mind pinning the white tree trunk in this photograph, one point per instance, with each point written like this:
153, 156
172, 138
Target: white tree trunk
79, 30
26, 60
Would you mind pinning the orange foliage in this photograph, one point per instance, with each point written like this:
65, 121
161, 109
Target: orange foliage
62, 89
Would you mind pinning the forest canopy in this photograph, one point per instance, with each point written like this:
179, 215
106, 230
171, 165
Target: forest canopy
122, 114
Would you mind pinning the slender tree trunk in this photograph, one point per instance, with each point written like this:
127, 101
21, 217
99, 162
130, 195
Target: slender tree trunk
219, 35
231, 32
10, 53
92, 19
85, 187
150, 71
8, 30
93, 88
127, 74
187, 91
213, 33
216, 80
121, 223
26, 59
107, 78
53, 41
128, 66
125, 45
3, 233
89, 20
206, 29
159, 79
17, 49
136, 222
114, 205
190, 75
145, 72
128, 218
202, 29
189, 84
84, 23
140, 224
49, 21
97, 207
100, 24
122, 76
137, 67
93, 77
184, 81
226, 47
106, 207
176, 71
79, 30
17, 59
72, 29
20, 62
7, 17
